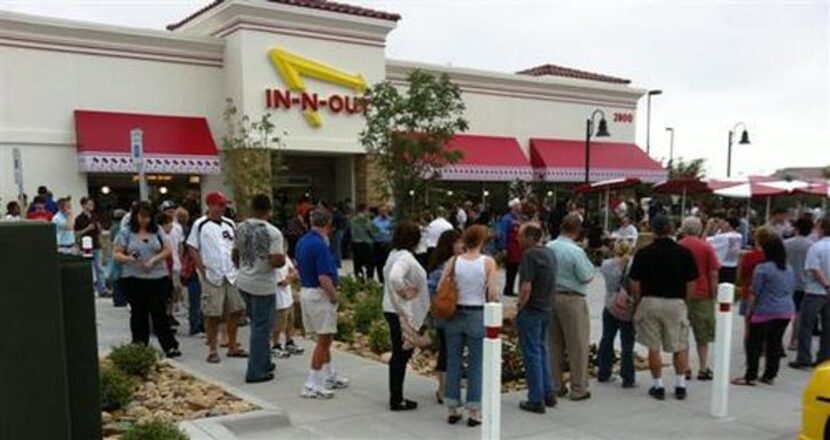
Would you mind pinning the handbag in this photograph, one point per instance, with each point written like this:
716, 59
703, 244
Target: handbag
444, 302
620, 305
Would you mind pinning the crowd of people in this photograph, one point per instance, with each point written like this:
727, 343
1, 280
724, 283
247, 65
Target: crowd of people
660, 287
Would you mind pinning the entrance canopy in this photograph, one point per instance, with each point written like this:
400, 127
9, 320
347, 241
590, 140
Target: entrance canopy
560, 160
172, 144
487, 158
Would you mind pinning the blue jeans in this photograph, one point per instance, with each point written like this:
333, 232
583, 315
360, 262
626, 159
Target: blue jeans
605, 357
533, 329
336, 247
99, 272
466, 328
194, 309
261, 314
814, 308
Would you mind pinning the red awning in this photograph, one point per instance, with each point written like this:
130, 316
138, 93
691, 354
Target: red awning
559, 160
487, 158
172, 144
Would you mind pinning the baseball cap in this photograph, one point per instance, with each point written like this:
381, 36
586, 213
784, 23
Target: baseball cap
168, 204
514, 202
660, 224
216, 198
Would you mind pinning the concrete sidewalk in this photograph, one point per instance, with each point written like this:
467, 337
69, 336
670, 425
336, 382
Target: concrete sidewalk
360, 412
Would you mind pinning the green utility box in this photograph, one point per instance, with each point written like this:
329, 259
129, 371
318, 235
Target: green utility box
49, 349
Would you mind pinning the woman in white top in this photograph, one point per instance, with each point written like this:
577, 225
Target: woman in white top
405, 306
475, 277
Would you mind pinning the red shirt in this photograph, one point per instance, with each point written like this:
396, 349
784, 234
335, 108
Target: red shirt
707, 262
747, 267
44, 215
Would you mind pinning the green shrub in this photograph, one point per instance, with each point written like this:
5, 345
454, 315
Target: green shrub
366, 313
345, 331
115, 388
154, 429
349, 287
134, 359
379, 339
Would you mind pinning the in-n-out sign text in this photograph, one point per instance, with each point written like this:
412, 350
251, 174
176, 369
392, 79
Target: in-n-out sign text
312, 102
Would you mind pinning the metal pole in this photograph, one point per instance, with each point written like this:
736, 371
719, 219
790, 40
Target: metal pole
729, 157
671, 149
683, 204
648, 123
588, 151
723, 343
769, 200
137, 146
491, 380
607, 206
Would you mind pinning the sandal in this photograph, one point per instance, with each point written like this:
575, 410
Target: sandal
472, 423
214, 358
767, 381
743, 382
438, 398
704, 375
238, 353
452, 419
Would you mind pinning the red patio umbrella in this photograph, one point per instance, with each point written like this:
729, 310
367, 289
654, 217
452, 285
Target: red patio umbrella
607, 186
682, 186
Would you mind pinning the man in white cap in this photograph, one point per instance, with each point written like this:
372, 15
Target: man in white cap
508, 242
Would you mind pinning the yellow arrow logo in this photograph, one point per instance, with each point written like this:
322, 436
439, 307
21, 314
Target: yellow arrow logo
293, 67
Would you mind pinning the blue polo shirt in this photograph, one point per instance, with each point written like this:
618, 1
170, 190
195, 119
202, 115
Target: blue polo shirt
314, 259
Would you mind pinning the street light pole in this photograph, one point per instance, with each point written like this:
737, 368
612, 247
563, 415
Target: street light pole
648, 117
671, 146
744, 141
602, 131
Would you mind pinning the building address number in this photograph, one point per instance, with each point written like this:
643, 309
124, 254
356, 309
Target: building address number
625, 118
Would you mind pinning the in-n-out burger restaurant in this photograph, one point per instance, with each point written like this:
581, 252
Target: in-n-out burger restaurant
73, 91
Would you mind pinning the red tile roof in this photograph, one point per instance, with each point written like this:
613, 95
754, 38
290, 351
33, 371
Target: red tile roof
323, 5
554, 70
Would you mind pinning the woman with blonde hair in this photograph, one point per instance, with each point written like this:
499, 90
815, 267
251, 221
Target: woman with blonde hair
616, 316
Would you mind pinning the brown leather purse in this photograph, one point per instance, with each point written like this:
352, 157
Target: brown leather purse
444, 303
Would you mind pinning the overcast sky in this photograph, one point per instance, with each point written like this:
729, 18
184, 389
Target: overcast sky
718, 62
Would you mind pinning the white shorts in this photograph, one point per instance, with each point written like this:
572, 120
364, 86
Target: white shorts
319, 314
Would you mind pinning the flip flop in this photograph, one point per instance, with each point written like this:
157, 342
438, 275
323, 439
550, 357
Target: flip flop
238, 353
214, 358
743, 382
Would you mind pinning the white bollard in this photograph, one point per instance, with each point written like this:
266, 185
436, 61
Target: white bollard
86, 247
491, 373
723, 348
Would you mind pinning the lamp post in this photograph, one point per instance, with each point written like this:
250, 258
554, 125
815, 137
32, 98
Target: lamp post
648, 117
602, 131
744, 141
671, 147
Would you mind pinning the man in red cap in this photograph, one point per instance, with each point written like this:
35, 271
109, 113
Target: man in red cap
211, 243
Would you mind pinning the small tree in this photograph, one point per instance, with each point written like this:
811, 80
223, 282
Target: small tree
688, 169
406, 133
252, 155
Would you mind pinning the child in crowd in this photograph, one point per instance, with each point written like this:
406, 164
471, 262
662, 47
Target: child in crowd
284, 314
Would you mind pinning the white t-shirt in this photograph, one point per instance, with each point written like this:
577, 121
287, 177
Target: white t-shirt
435, 229
727, 247
214, 241
402, 270
256, 241
818, 258
628, 232
176, 238
285, 297
461, 218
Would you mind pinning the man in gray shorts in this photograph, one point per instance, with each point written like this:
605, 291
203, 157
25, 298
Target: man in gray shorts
211, 247
663, 276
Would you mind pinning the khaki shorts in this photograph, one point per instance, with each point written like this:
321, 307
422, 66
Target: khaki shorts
661, 322
218, 301
702, 318
284, 320
319, 314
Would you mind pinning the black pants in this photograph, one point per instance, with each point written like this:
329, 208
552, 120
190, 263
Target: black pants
510, 279
148, 301
363, 266
379, 256
767, 336
441, 365
728, 275
398, 361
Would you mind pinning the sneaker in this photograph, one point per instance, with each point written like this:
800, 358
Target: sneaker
657, 393
293, 349
534, 407
680, 393
800, 365
279, 353
336, 383
173, 353
316, 393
